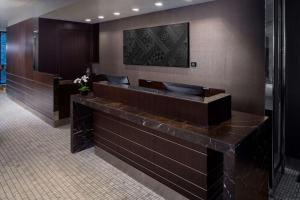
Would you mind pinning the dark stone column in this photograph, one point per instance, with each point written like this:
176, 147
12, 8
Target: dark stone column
81, 127
247, 168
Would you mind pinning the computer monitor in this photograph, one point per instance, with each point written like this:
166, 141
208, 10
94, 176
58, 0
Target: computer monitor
184, 89
118, 79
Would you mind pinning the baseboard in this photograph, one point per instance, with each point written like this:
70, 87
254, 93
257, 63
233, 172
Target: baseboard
61, 122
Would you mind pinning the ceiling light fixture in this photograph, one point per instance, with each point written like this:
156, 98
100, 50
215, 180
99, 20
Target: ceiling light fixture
117, 13
101, 17
135, 9
88, 20
159, 4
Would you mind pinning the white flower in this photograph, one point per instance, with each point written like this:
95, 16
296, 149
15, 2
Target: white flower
85, 78
78, 80
82, 79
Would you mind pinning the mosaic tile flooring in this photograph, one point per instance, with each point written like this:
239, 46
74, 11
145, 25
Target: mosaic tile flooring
288, 188
36, 164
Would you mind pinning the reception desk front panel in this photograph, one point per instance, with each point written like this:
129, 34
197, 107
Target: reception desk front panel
201, 111
178, 164
218, 162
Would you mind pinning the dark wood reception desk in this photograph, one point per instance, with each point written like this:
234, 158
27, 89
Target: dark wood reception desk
177, 140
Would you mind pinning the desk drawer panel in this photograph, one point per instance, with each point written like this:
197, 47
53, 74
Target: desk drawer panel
181, 153
165, 163
177, 164
163, 176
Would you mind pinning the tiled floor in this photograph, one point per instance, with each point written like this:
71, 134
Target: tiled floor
36, 163
288, 188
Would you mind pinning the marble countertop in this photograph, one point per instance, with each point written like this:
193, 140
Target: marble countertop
223, 137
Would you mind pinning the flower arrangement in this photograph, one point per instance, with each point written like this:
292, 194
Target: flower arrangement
83, 84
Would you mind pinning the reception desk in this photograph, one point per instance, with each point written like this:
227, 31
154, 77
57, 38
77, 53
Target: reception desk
194, 145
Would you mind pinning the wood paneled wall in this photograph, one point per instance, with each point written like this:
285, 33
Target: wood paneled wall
33, 89
35, 95
67, 48
20, 53
20, 49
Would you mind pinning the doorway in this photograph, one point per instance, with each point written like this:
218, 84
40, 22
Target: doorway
286, 97
275, 84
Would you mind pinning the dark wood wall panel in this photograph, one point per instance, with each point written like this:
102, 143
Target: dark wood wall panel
36, 95
48, 43
34, 89
74, 53
177, 152
95, 43
43, 102
193, 147
164, 163
67, 48
180, 166
20, 49
208, 112
160, 105
43, 78
28, 101
161, 174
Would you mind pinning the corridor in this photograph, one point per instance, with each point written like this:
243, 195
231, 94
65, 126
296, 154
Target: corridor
36, 163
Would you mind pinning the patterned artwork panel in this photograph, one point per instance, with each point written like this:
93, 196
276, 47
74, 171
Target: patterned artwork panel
157, 46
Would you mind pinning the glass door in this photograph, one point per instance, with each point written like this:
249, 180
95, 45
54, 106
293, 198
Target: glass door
2, 58
275, 83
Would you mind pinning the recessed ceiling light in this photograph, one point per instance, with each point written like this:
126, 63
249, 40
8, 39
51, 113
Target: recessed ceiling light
101, 17
88, 20
135, 9
159, 4
117, 13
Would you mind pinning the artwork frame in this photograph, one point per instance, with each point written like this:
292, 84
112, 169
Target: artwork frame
165, 46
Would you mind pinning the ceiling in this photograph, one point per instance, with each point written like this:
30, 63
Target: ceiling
13, 11
91, 9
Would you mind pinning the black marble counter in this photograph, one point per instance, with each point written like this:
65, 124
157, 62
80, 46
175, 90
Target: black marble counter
243, 141
223, 137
